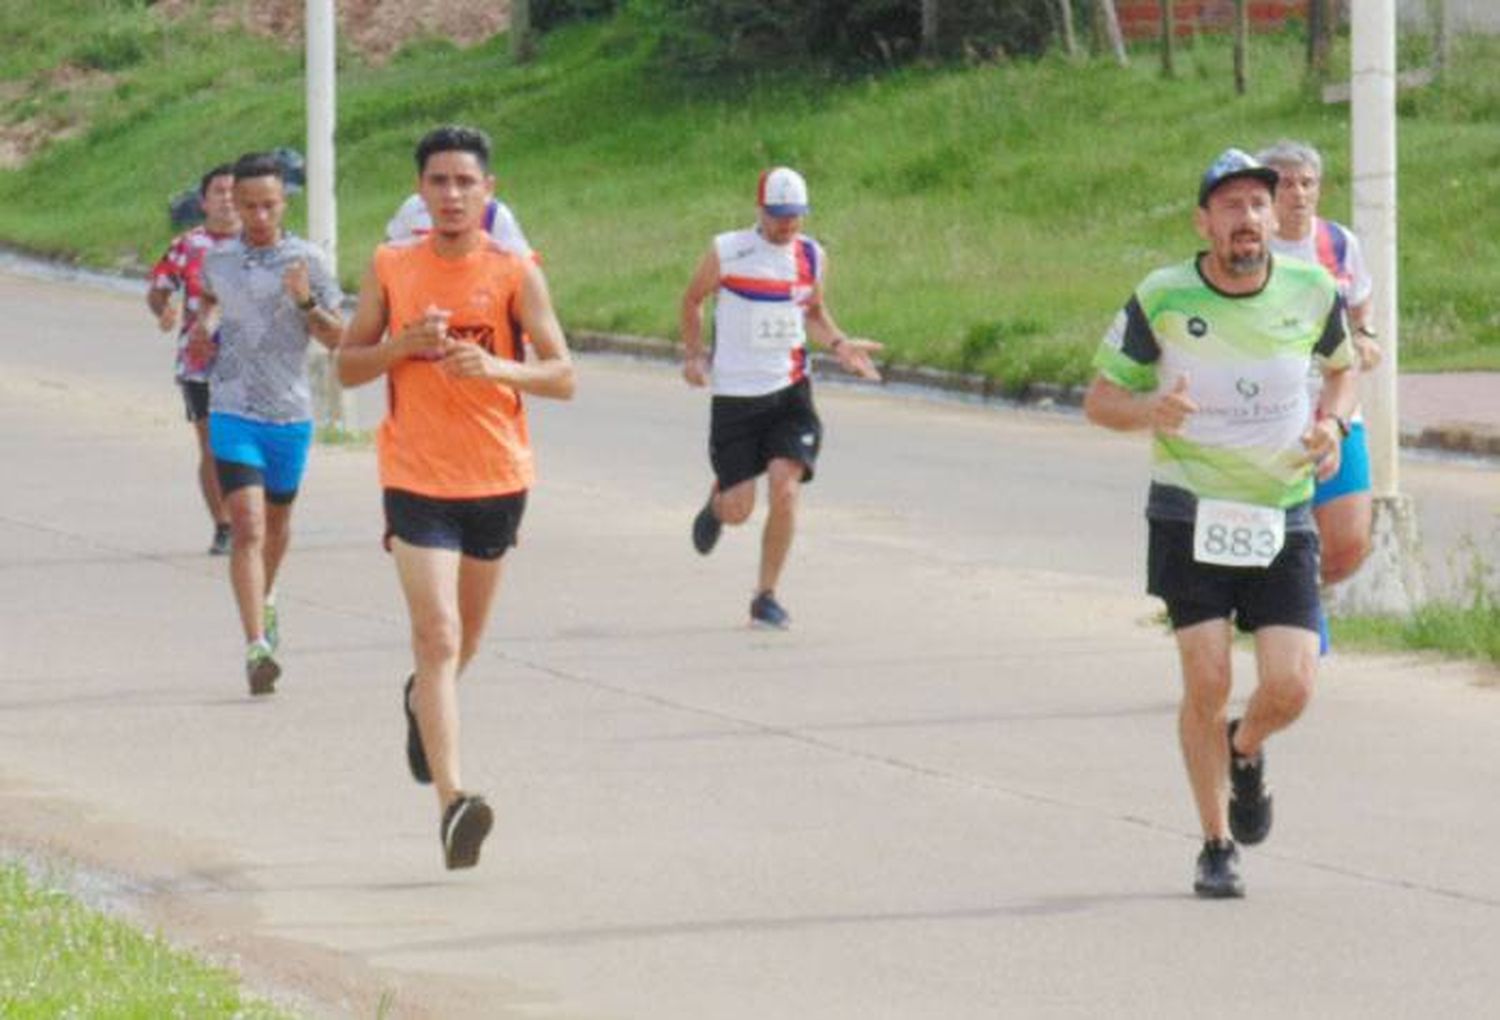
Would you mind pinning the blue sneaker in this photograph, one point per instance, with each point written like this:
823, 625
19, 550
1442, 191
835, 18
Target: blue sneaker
765, 611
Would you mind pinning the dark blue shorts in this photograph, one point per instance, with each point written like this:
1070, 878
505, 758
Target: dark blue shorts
480, 528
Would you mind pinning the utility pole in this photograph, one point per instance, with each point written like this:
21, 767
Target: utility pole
322, 210
1390, 580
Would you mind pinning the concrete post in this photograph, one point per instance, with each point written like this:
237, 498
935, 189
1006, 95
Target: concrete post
1389, 581
322, 210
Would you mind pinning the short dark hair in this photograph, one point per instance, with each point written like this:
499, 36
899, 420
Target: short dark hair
454, 138
222, 170
258, 164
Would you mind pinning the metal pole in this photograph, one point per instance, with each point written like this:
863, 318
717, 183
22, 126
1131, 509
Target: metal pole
1373, 126
322, 210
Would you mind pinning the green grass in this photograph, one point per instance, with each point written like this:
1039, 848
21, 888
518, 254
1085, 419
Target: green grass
58, 959
1466, 626
989, 218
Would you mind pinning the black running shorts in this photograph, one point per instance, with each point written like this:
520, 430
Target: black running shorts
747, 433
1282, 594
480, 528
194, 398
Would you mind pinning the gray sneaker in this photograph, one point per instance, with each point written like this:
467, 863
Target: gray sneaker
223, 541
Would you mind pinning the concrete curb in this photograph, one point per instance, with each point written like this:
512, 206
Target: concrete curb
1469, 439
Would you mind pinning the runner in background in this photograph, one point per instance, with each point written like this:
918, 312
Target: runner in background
1342, 505
174, 294
767, 282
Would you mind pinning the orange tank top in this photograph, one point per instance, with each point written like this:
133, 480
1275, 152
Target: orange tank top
443, 437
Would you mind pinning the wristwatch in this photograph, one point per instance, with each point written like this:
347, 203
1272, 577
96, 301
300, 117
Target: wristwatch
1366, 331
309, 304
1342, 423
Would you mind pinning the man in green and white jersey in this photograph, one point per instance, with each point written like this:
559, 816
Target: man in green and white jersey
1212, 356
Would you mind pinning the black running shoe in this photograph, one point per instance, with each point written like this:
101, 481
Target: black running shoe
222, 543
1249, 803
1219, 871
465, 824
416, 755
765, 611
706, 528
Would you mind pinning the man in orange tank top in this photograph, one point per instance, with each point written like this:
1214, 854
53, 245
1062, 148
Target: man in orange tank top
441, 317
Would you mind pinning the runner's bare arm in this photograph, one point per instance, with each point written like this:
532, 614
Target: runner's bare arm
550, 375
853, 352
1113, 406
361, 356
690, 319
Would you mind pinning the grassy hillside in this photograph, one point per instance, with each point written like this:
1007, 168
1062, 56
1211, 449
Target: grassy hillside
989, 218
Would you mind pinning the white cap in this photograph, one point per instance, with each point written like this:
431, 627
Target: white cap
782, 192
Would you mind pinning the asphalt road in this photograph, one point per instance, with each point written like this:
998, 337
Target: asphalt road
951, 791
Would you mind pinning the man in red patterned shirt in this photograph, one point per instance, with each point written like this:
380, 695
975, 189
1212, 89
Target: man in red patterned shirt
179, 271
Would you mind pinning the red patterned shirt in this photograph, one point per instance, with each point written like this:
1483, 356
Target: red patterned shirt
181, 269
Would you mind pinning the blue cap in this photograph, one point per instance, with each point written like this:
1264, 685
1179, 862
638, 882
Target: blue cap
1230, 164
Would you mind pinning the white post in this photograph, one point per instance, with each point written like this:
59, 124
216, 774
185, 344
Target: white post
1373, 127
1390, 580
322, 210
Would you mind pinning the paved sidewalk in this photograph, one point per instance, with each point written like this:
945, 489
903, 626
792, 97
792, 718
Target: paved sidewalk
1454, 411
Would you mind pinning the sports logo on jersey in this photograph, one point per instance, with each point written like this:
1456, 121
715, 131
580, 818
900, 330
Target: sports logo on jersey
1197, 326
482, 335
1247, 388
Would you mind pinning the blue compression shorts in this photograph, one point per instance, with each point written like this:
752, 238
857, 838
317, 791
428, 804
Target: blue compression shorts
1354, 468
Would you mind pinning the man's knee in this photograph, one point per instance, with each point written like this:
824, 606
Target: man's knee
1342, 558
436, 639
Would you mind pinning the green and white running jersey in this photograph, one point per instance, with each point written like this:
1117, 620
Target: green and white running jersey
1246, 358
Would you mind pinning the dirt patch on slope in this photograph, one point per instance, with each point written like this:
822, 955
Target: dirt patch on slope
375, 28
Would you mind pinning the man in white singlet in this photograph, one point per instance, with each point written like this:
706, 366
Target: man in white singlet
413, 220
767, 284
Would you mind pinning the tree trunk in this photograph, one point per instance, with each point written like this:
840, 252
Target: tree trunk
929, 28
1168, 39
1241, 43
1442, 43
522, 44
1070, 41
1106, 10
